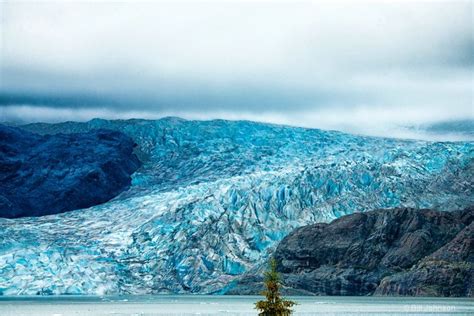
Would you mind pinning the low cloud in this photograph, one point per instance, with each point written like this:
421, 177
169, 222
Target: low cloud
380, 121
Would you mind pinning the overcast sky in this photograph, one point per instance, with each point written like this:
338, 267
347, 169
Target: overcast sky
356, 66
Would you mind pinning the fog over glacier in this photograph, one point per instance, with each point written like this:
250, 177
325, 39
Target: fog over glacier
376, 69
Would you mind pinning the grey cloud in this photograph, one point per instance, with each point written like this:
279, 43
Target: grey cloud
318, 64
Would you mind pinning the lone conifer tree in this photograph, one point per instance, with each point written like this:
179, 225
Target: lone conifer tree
274, 305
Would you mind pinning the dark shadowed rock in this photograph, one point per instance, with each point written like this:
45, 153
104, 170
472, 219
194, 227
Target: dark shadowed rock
383, 252
447, 272
51, 174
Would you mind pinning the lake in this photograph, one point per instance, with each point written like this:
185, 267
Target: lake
227, 305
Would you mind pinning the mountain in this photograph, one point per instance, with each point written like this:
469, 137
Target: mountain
212, 199
41, 175
386, 252
465, 127
453, 129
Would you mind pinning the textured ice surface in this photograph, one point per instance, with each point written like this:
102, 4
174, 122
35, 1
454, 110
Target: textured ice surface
213, 198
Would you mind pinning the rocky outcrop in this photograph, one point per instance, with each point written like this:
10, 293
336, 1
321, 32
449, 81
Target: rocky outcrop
447, 272
41, 175
383, 252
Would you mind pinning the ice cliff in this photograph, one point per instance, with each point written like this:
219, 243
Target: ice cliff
213, 198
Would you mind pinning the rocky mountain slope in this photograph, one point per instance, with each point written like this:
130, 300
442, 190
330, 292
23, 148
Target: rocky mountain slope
41, 175
385, 252
212, 200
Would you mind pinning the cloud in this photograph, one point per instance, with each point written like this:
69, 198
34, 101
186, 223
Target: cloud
302, 63
379, 121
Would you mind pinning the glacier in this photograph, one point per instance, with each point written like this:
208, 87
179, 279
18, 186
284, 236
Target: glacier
212, 200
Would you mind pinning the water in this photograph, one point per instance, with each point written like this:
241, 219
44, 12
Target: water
227, 305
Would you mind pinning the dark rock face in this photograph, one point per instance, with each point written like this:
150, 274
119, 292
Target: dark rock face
447, 272
383, 252
41, 175
386, 252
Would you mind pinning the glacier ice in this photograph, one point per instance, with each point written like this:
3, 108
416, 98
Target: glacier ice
213, 198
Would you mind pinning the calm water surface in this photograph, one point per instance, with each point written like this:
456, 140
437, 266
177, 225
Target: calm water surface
228, 305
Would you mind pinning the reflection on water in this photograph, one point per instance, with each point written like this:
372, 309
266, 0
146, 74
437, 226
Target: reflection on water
228, 305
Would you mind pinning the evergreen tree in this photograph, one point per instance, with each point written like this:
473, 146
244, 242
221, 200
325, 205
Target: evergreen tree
274, 305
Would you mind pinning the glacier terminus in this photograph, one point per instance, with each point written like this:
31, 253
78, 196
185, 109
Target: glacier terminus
213, 198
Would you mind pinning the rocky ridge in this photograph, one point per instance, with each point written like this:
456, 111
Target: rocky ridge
384, 252
50, 174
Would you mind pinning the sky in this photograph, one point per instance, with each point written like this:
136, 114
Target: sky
366, 67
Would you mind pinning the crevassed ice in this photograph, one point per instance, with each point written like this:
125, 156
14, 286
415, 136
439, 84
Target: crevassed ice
214, 198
